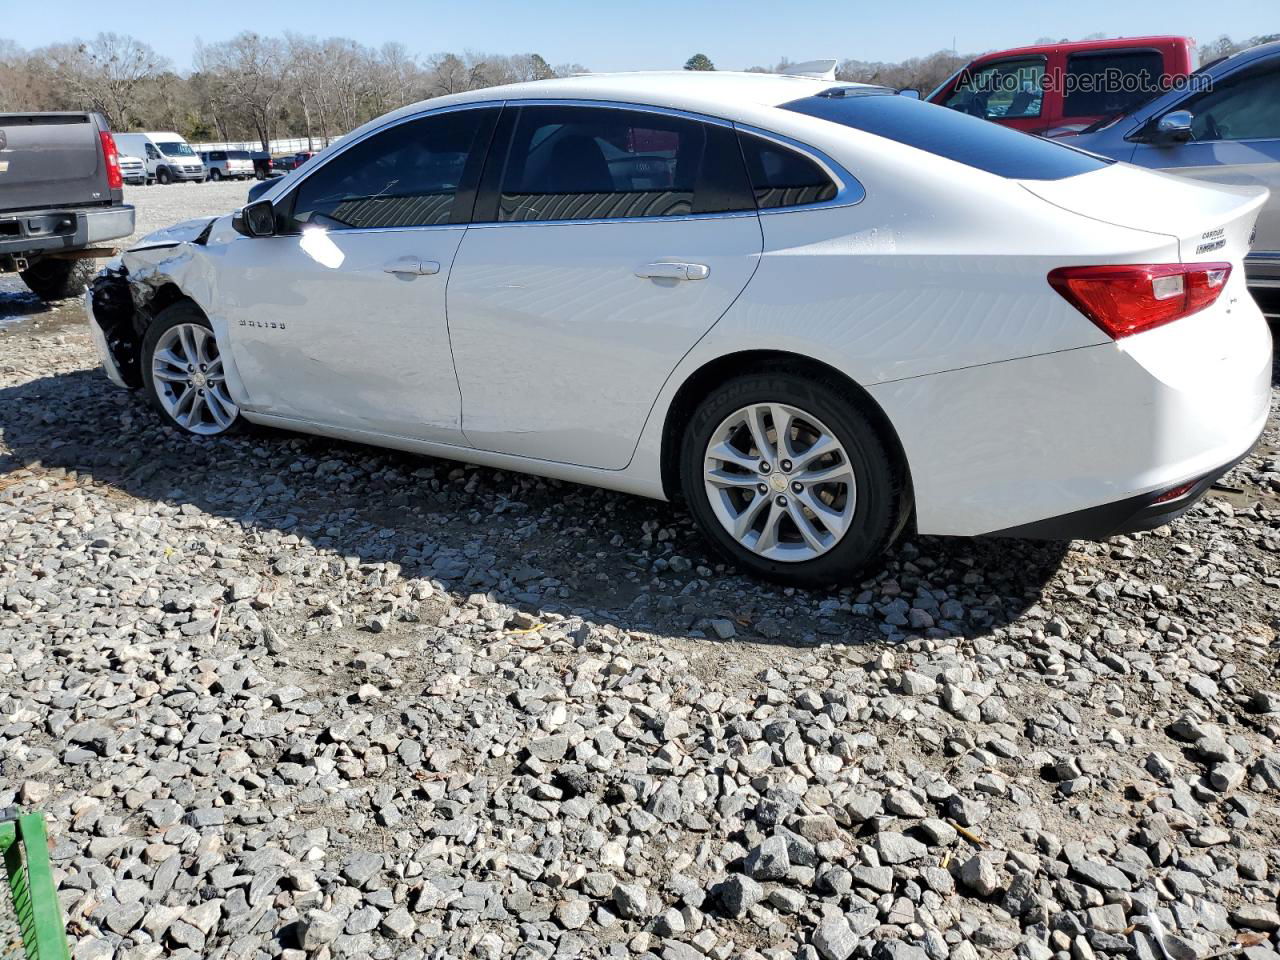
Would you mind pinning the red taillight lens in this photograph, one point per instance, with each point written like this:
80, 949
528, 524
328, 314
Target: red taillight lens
1174, 493
115, 180
1128, 299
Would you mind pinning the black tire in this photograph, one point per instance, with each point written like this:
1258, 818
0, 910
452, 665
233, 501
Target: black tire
51, 279
215, 174
882, 503
164, 176
184, 311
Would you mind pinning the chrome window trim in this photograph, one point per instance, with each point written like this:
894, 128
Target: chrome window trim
422, 114
347, 231
727, 215
849, 189
620, 105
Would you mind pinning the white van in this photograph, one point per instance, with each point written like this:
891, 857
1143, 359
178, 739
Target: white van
167, 156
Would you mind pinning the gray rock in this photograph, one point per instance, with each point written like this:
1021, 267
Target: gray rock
631, 900
979, 875
895, 848
1252, 916
738, 894
834, 939
769, 860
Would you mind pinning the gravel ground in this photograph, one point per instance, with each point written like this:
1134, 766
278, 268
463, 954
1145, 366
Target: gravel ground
289, 697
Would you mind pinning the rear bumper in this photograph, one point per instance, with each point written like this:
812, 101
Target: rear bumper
1082, 442
45, 231
1144, 512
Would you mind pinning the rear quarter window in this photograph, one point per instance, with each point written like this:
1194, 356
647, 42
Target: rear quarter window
946, 133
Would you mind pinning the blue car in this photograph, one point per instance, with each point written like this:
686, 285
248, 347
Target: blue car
1222, 125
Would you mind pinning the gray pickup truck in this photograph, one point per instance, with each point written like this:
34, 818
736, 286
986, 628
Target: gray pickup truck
61, 199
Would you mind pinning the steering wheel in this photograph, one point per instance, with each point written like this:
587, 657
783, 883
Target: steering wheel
1211, 128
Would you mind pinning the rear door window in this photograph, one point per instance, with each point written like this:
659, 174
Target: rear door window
1110, 82
596, 163
1006, 89
947, 133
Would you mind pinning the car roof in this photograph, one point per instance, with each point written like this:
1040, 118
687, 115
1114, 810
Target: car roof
1249, 54
1069, 46
698, 91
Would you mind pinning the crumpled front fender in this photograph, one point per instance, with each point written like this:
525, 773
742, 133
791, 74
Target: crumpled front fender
131, 289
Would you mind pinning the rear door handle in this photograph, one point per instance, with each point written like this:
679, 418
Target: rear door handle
674, 271
412, 267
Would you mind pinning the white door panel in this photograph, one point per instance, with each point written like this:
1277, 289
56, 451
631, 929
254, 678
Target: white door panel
347, 328
560, 347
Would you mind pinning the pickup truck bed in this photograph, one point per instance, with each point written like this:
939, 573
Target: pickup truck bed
61, 198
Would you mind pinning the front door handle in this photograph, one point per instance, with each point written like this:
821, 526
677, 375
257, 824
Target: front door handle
674, 271
412, 267
404, 266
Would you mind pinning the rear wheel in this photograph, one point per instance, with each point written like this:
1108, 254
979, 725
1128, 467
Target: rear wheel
53, 279
183, 374
790, 480
215, 174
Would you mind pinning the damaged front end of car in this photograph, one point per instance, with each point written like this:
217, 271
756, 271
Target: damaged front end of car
125, 297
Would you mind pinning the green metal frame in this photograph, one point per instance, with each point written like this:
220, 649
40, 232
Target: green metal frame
35, 900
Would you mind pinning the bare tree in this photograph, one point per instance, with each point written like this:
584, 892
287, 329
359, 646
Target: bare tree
247, 79
105, 74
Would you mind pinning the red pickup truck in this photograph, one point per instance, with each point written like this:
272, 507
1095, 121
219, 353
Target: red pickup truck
1062, 87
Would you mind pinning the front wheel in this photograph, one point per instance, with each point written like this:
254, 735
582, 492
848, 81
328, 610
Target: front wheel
790, 479
183, 373
163, 176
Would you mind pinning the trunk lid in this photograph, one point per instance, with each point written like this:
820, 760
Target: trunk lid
1211, 222
51, 160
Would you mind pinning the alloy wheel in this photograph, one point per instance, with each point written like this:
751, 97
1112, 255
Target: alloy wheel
189, 380
779, 482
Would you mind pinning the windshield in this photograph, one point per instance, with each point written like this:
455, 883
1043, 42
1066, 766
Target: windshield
947, 133
176, 150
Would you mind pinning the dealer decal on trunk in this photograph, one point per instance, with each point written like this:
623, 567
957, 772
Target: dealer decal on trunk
1215, 240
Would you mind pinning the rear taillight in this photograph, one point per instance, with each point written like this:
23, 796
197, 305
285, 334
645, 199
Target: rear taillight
1128, 299
112, 159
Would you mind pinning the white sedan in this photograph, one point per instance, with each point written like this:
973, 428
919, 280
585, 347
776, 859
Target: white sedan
816, 312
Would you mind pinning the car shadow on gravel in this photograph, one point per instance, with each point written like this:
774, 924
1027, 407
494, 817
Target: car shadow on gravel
539, 544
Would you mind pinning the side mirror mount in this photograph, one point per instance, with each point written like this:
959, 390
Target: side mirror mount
257, 219
909, 92
1174, 127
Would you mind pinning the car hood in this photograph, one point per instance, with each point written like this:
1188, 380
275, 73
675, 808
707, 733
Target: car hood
183, 232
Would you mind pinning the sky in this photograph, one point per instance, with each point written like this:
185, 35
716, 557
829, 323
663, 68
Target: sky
652, 35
